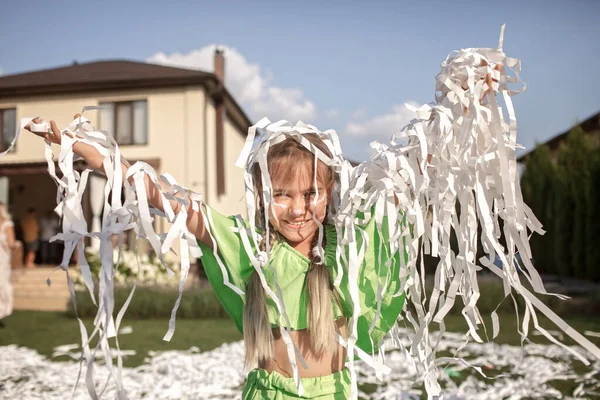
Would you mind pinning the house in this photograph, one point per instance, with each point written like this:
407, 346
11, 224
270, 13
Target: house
180, 121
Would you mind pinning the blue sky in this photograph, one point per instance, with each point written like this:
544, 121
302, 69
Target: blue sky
344, 65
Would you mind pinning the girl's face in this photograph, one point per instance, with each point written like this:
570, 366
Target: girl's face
296, 205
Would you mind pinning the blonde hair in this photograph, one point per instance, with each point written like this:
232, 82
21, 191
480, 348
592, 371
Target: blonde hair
285, 160
4, 214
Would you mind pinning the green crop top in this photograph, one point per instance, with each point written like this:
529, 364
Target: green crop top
291, 267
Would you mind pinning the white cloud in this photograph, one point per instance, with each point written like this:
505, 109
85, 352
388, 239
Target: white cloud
333, 114
249, 84
381, 126
359, 113
361, 131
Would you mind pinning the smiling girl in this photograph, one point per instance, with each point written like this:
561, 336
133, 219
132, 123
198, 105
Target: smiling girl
283, 264
301, 241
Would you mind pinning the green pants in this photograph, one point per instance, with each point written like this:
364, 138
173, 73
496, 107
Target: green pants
262, 385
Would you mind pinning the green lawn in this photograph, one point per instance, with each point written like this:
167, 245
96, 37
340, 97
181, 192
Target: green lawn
508, 335
43, 331
508, 328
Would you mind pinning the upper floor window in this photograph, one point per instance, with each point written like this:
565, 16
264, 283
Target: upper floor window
127, 121
8, 128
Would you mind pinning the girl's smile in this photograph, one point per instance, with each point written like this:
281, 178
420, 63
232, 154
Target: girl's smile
296, 205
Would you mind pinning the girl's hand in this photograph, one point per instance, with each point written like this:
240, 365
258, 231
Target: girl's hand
53, 135
489, 80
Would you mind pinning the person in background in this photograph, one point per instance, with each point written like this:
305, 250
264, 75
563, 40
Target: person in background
31, 232
7, 244
48, 228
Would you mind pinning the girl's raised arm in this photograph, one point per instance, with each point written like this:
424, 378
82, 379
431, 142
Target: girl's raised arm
195, 222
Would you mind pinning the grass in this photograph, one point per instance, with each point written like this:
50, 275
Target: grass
508, 328
508, 335
42, 331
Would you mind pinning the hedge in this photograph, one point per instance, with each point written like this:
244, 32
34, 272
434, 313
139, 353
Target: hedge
155, 302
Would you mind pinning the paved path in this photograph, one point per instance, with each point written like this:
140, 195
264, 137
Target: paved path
43, 288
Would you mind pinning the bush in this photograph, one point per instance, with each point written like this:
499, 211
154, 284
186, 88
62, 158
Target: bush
563, 191
155, 302
129, 267
492, 293
539, 184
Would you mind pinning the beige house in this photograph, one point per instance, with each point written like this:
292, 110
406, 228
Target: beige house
180, 121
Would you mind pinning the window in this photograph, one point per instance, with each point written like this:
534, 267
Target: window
127, 121
8, 128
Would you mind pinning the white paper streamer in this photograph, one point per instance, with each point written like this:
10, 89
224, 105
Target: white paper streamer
118, 217
533, 373
450, 171
453, 169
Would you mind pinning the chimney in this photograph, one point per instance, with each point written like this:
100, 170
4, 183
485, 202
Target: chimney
220, 121
220, 64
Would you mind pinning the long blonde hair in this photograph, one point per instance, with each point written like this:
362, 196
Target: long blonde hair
285, 160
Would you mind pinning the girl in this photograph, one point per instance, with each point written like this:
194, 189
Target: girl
291, 247
301, 242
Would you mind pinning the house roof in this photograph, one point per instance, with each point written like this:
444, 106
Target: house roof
108, 75
591, 124
118, 72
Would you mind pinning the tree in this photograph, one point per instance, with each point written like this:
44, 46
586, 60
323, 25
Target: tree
573, 202
593, 219
538, 184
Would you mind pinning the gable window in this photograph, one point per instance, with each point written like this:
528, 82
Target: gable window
8, 128
127, 121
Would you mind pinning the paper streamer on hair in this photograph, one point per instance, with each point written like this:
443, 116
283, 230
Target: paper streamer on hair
452, 169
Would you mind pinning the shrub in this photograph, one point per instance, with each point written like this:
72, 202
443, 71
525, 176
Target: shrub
129, 267
155, 302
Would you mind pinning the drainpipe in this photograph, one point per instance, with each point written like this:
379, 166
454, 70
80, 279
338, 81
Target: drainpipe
219, 98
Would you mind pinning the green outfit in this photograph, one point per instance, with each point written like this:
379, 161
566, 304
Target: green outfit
291, 268
262, 385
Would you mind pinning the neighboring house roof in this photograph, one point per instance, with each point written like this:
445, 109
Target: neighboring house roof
115, 74
590, 125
